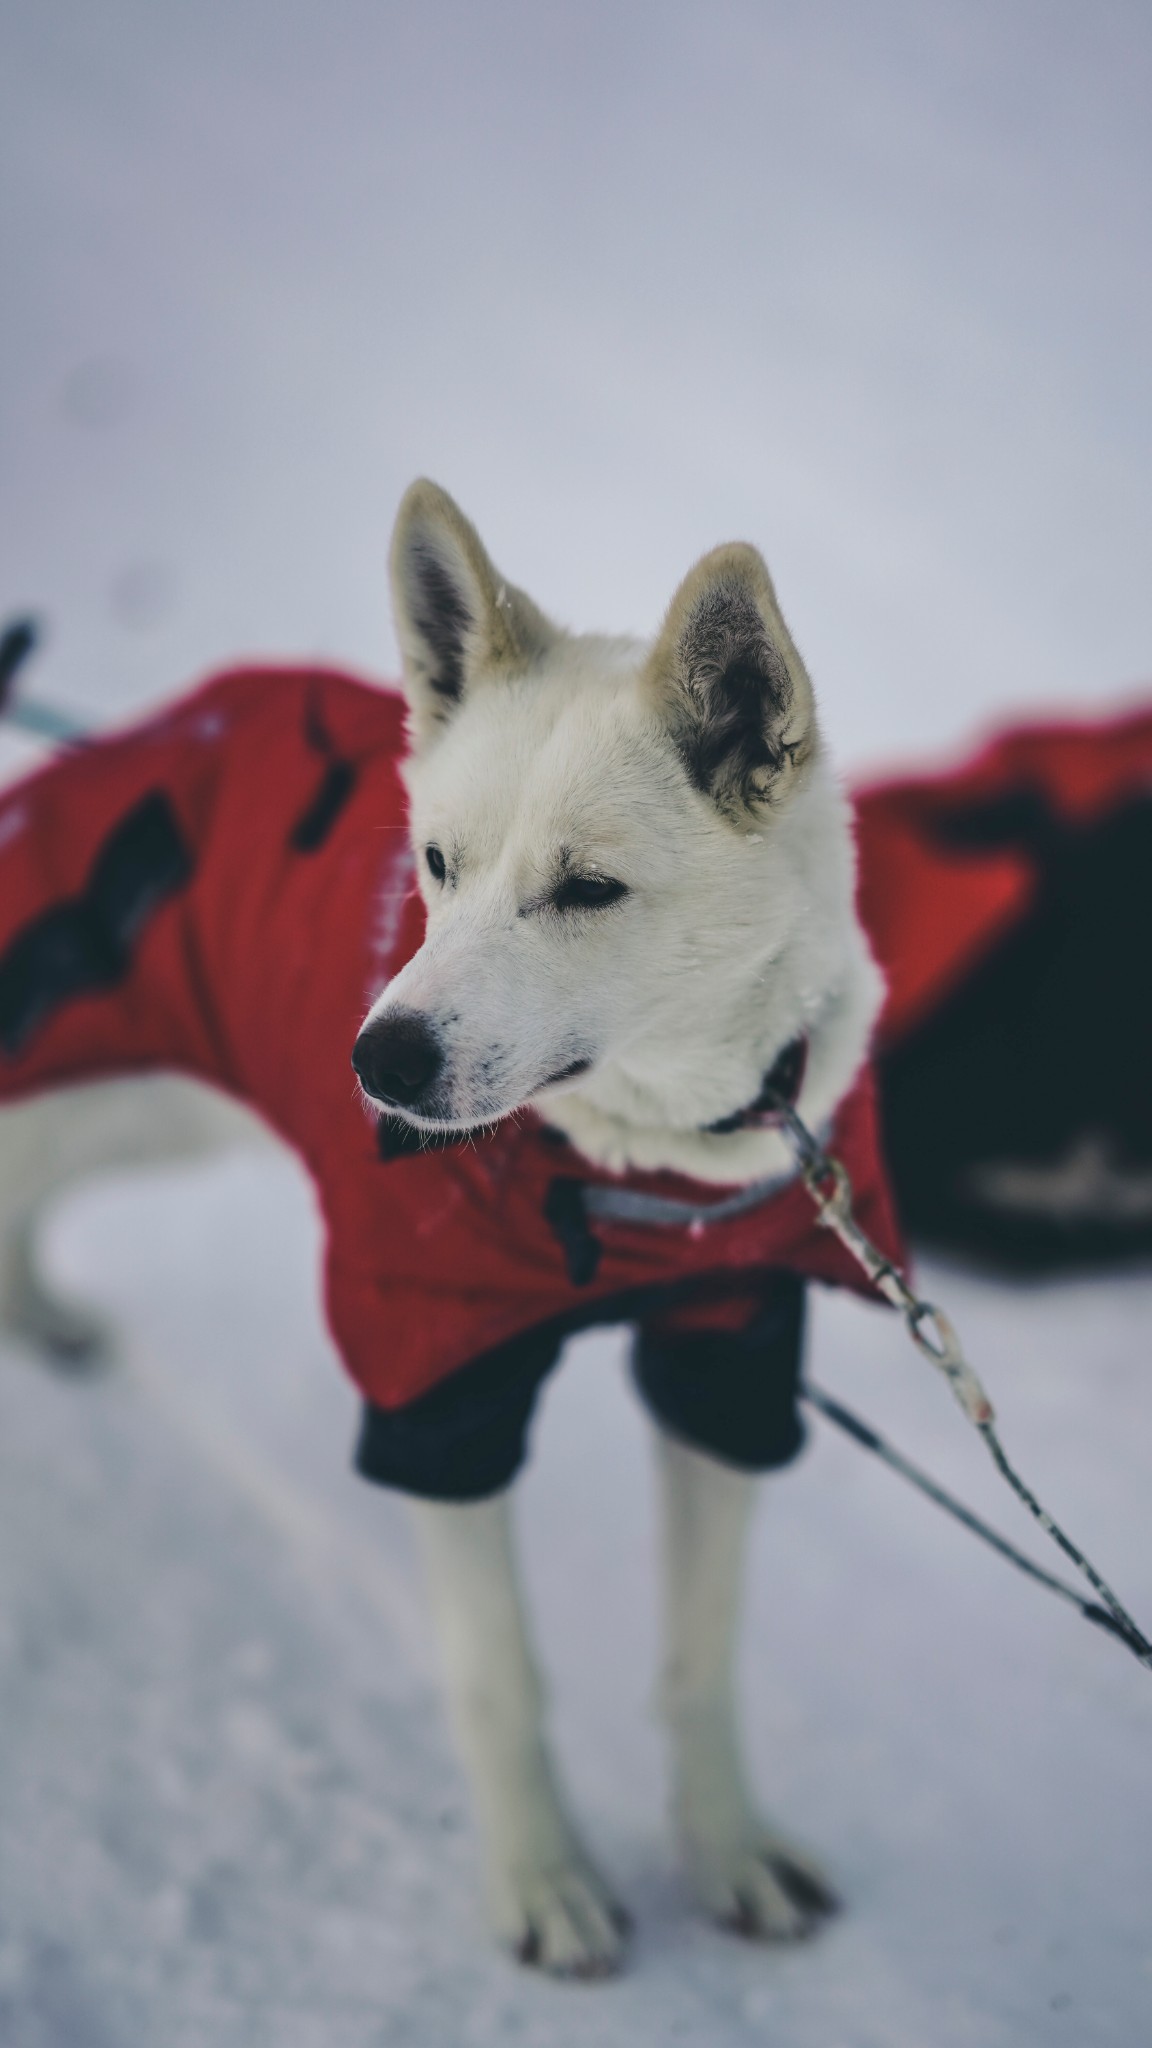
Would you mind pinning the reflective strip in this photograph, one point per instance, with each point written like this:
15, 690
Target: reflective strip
629, 1205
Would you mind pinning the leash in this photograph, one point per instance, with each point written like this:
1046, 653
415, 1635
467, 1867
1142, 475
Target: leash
828, 1183
571, 1205
17, 641
935, 1338
870, 1439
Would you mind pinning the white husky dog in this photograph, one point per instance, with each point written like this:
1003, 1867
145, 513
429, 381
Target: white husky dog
684, 783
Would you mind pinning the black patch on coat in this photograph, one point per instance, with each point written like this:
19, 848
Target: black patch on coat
442, 618
1042, 1050
336, 784
315, 823
85, 944
739, 691
567, 1219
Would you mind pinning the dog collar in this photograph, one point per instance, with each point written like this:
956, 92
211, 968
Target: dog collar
571, 1205
778, 1091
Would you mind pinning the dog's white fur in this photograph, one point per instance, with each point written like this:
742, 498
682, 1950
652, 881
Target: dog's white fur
738, 930
690, 772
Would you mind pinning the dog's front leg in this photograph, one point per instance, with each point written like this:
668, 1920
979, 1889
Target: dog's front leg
741, 1870
545, 1898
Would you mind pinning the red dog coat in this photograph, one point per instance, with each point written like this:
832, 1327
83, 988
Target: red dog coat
1007, 900
222, 890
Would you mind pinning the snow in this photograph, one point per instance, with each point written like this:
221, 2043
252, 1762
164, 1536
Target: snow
868, 286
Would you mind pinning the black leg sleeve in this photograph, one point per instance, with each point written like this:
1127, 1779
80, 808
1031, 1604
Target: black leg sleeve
466, 1439
733, 1394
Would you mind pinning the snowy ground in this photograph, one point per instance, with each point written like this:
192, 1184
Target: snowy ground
869, 286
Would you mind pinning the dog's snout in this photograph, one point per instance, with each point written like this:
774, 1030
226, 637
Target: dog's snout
397, 1058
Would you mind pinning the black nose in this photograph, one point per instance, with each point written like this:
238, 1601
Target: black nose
397, 1058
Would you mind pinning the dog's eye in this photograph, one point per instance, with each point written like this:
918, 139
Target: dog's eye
588, 892
436, 863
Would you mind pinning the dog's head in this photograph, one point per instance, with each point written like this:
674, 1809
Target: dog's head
607, 840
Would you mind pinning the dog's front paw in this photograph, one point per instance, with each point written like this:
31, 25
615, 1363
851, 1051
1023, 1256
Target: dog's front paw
759, 1885
563, 1920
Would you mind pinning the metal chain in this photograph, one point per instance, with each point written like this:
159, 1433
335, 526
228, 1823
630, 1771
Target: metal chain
932, 1333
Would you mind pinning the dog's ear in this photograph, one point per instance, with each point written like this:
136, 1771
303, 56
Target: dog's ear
730, 685
457, 620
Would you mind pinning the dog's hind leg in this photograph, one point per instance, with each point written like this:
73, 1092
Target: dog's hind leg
46, 1142
50, 1141
70, 1334
741, 1870
546, 1900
